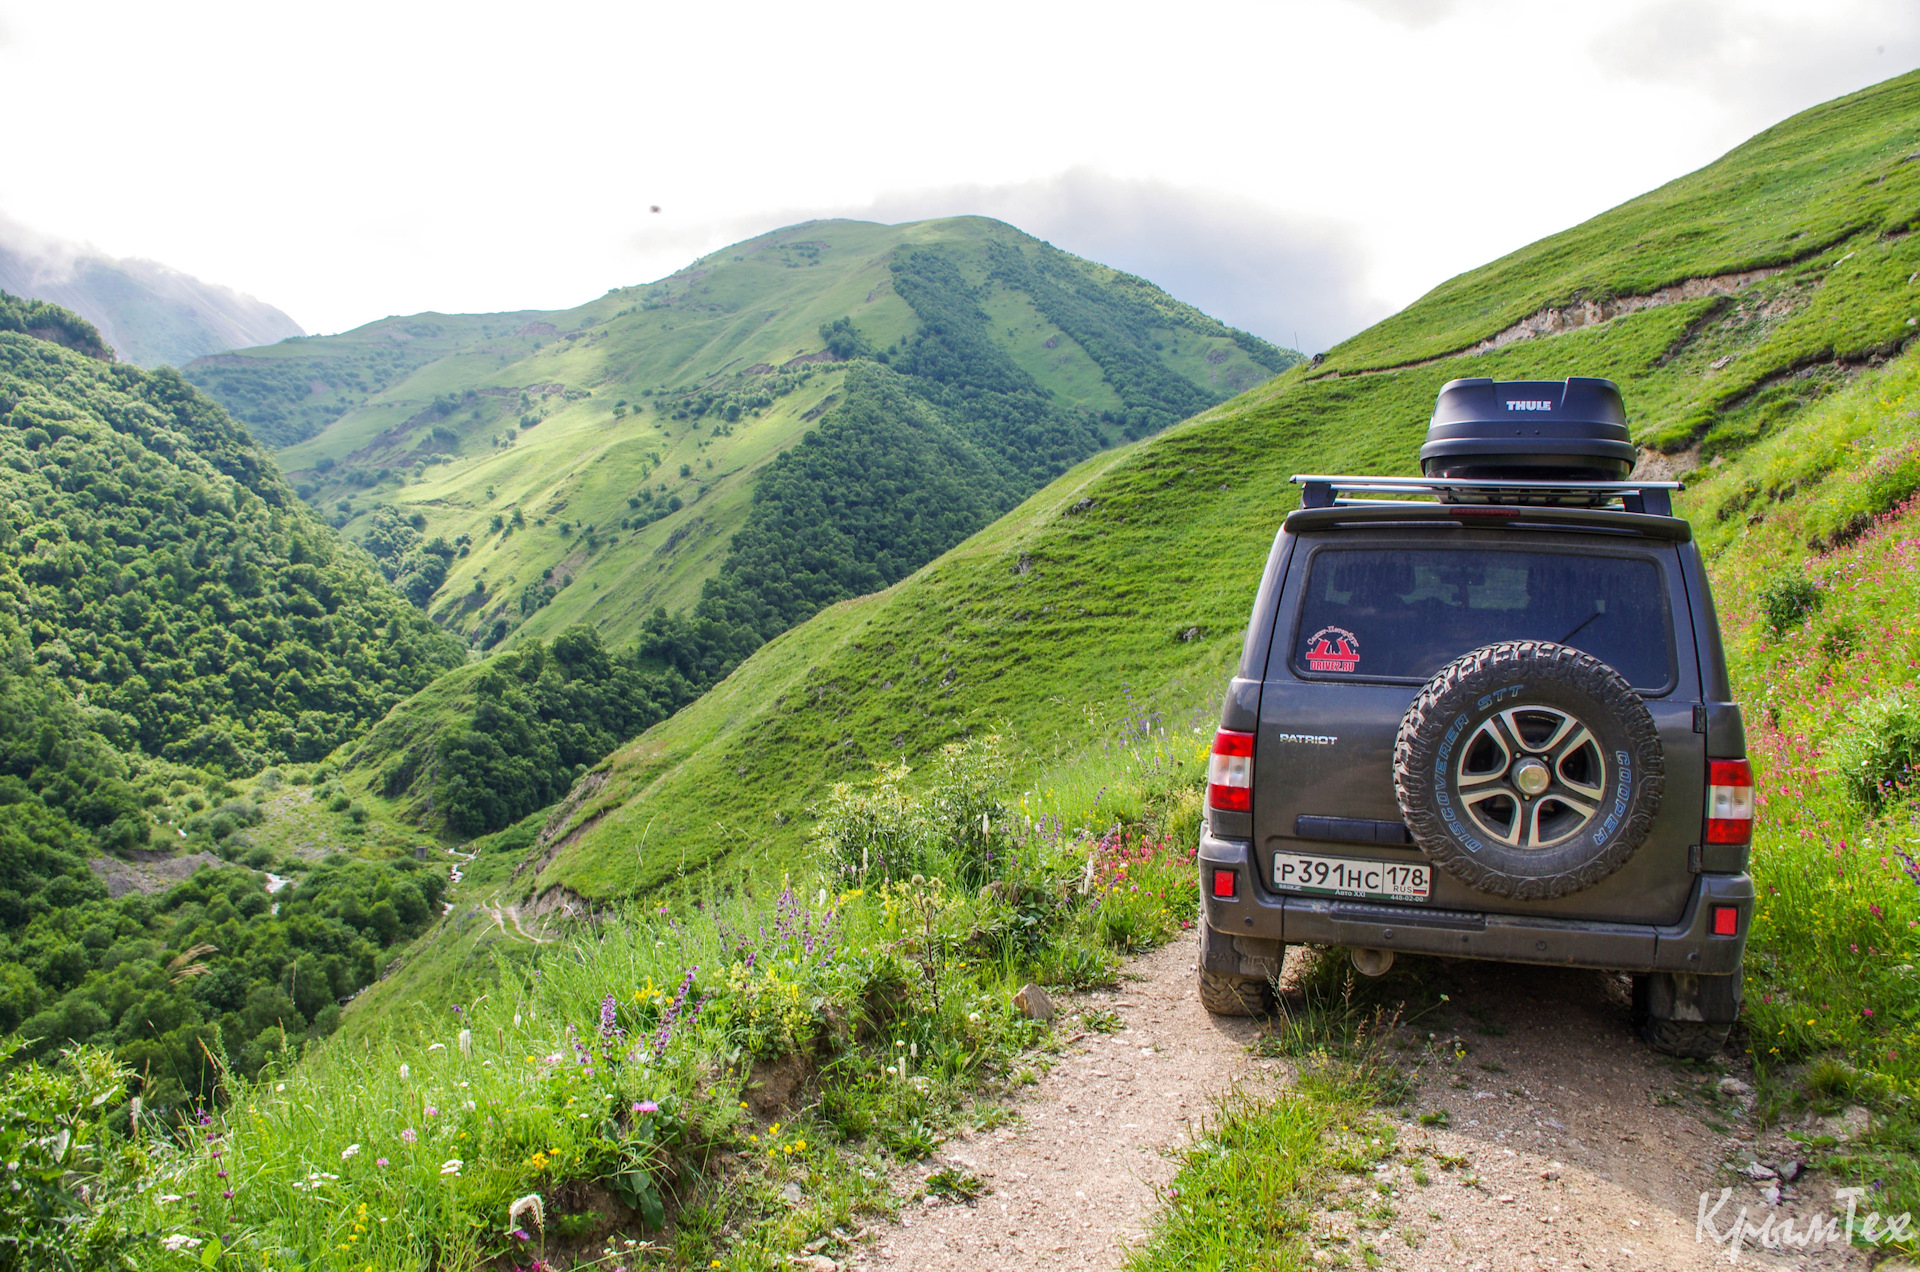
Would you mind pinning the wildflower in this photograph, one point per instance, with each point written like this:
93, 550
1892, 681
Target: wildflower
527, 1205
1868, 1012
431, 1111
465, 1040
450, 1167
406, 1071
349, 1151
179, 1241
380, 1161
227, 1195
220, 1174
408, 1136
646, 1106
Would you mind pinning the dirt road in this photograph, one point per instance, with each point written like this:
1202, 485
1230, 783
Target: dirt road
1540, 1134
1075, 1182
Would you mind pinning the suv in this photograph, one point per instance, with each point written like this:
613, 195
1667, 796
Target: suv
1484, 713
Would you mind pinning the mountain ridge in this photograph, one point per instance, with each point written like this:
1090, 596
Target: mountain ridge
150, 314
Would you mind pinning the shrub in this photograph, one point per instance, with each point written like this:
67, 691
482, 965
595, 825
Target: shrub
1877, 756
64, 1173
1789, 603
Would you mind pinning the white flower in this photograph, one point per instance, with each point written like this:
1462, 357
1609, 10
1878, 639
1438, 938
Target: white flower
450, 1167
466, 1042
349, 1151
164, 1198
527, 1205
438, 1046
179, 1241
279, 1086
405, 1072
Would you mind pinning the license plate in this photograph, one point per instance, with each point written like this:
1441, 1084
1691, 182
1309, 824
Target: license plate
1351, 877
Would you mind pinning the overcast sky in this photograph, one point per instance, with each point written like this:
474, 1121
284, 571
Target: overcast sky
1289, 167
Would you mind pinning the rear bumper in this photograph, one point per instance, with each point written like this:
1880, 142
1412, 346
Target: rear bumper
1687, 946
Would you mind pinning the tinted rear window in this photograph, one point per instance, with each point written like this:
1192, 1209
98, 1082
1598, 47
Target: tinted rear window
1385, 614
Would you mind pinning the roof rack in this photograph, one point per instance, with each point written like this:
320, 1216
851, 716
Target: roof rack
1651, 498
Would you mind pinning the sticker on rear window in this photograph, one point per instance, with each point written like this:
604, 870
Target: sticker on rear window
1333, 649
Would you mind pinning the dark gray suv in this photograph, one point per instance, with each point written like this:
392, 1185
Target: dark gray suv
1484, 713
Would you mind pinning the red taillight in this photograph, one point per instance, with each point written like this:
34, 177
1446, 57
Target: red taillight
1726, 920
1225, 884
1729, 802
1230, 772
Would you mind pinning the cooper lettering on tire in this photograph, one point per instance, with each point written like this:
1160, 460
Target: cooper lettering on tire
1528, 770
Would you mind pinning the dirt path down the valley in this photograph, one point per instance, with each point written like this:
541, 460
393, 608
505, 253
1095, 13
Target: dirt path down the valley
1551, 1139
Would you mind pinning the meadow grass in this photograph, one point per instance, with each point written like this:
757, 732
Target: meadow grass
715, 1082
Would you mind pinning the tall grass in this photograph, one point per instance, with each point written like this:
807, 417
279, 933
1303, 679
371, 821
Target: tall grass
715, 1084
1831, 980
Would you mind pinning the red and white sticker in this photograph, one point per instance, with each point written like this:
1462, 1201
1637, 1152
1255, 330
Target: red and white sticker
1333, 649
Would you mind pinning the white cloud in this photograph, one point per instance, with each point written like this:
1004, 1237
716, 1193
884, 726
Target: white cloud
373, 157
1416, 14
1763, 61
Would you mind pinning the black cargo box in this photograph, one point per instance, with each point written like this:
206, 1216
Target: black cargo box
1539, 430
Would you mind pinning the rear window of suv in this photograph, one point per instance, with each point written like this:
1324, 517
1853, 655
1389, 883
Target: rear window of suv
1394, 614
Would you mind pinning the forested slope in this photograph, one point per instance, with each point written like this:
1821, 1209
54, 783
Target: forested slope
172, 619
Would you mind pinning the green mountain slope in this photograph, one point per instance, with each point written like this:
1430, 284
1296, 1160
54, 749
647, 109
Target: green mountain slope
170, 577
172, 617
594, 464
1132, 574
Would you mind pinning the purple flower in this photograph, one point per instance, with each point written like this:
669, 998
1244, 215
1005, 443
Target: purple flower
219, 1174
668, 1018
228, 1194
522, 1234
609, 1019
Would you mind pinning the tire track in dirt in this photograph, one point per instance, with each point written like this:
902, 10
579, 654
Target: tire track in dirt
1553, 1140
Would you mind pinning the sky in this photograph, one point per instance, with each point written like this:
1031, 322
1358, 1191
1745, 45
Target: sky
1297, 169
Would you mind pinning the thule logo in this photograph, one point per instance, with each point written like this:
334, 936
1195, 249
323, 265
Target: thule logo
1529, 406
1308, 739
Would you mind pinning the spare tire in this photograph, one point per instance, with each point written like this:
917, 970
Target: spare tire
1528, 770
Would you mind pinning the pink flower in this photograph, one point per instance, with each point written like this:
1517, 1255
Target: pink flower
1868, 1012
432, 1112
646, 1106
379, 1161
407, 1136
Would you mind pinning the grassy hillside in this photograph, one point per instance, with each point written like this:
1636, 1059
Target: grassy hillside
1135, 570
595, 463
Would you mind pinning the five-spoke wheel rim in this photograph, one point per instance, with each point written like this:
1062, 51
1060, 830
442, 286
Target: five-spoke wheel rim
1531, 777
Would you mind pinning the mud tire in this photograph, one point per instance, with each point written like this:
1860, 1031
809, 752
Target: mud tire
1688, 1039
1486, 682
1229, 994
